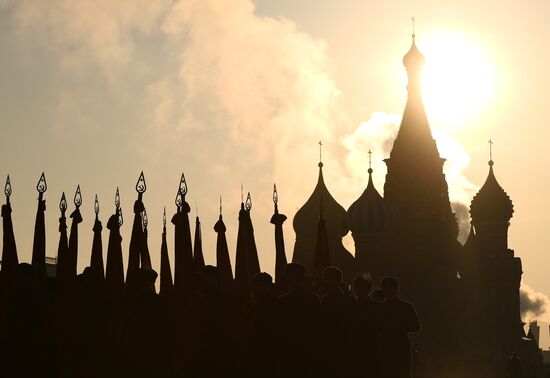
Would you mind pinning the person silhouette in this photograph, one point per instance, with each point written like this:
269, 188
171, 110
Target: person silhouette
264, 327
366, 329
514, 366
145, 334
300, 312
213, 356
337, 308
399, 318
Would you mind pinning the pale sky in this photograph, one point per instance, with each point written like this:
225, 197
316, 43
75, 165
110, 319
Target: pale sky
93, 92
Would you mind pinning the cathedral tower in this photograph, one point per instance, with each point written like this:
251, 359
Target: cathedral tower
415, 183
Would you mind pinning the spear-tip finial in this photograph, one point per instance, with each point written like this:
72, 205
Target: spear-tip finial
96, 205
42, 186
491, 162
7, 188
220, 205
242, 195
164, 218
141, 187
63, 203
183, 185
77, 197
248, 204
413, 21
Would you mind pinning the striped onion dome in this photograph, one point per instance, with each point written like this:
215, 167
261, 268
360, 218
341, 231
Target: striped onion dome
370, 212
491, 203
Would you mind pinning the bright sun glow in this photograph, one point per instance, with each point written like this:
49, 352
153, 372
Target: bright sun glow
458, 80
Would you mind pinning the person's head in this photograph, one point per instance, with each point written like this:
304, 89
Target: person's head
262, 284
378, 296
210, 280
294, 275
332, 278
362, 285
146, 278
390, 286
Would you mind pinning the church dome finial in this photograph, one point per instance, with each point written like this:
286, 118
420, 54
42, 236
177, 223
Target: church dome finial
413, 59
491, 203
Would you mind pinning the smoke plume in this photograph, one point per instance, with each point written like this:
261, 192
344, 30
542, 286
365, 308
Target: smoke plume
534, 305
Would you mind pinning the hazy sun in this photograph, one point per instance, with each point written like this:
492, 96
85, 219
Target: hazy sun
458, 80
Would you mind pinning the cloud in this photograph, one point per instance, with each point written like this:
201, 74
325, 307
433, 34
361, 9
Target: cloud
102, 32
534, 305
211, 88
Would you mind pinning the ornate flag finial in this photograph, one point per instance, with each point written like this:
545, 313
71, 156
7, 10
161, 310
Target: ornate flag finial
63, 203
179, 199
96, 205
145, 219
248, 204
42, 186
141, 187
275, 194
183, 185
117, 199
7, 188
77, 197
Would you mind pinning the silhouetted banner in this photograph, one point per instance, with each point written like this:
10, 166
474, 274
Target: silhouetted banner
39, 244
9, 249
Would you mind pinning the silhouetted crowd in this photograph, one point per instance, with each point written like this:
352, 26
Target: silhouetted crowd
280, 330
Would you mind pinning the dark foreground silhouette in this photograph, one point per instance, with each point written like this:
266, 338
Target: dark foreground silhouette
280, 330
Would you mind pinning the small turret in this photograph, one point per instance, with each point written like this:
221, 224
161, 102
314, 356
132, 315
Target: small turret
491, 211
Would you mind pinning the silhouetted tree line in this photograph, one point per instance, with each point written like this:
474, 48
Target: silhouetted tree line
205, 322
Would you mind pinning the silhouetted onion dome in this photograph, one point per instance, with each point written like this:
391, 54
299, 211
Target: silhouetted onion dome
413, 59
305, 220
491, 204
370, 212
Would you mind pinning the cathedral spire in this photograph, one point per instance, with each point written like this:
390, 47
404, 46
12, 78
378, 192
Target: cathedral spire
415, 164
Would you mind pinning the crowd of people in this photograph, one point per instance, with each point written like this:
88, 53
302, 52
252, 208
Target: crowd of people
289, 329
